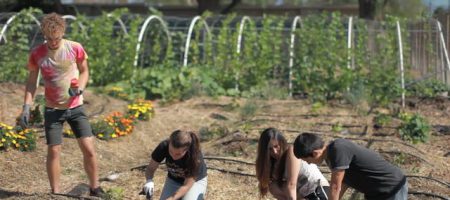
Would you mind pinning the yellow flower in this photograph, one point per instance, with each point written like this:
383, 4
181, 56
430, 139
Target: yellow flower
113, 135
1, 144
100, 135
14, 142
3, 140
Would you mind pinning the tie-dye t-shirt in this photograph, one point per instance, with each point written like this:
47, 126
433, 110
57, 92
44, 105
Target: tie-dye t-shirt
58, 67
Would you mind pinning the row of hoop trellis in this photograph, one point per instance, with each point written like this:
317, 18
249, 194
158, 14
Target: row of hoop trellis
297, 22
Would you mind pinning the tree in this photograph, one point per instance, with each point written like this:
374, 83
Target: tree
372, 9
214, 6
46, 6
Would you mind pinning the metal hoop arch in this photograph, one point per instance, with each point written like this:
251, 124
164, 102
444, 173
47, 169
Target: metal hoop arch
188, 38
10, 20
142, 33
74, 19
297, 21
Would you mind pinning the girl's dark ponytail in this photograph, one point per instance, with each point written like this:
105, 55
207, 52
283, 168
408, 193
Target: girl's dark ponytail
194, 155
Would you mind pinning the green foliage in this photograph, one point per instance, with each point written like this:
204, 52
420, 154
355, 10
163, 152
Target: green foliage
428, 88
316, 107
103, 44
382, 119
337, 127
322, 58
115, 193
414, 128
178, 83
14, 54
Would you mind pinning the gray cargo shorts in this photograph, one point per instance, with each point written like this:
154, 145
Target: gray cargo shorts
54, 120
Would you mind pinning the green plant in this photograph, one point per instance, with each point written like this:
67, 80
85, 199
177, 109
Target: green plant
399, 159
316, 107
212, 132
414, 128
248, 110
103, 43
382, 119
428, 88
337, 127
15, 52
115, 193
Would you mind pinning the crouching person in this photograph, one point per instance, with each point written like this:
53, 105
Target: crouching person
353, 166
282, 174
186, 169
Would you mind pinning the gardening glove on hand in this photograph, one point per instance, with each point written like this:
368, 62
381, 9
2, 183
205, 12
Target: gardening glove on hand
148, 189
74, 89
75, 92
25, 116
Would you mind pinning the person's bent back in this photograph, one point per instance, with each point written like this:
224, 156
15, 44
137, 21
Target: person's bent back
355, 166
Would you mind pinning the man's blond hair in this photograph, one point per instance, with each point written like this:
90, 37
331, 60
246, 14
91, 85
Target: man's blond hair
53, 23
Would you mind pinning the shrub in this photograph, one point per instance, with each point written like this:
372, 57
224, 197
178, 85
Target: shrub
414, 128
429, 88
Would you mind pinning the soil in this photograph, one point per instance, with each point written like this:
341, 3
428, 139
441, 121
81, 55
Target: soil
228, 128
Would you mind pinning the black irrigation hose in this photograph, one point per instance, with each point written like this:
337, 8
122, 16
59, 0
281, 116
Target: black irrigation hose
227, 159
232, 172
430, 178
428, 194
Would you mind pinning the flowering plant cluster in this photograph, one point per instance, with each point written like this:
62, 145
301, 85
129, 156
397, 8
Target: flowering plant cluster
16, 137
113, 126
117, 92
118, 124
141, 110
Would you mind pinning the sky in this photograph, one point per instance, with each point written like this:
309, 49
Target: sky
436, 3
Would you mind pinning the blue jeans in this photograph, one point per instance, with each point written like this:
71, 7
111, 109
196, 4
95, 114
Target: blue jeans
197, 191
402, 194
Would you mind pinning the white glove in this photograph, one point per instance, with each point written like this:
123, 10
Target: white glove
148, 188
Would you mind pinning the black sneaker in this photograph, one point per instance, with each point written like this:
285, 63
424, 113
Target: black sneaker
97, 192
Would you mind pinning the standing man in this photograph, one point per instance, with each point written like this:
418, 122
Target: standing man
353, 166
64, 69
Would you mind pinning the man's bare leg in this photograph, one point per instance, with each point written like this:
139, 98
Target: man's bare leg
89, 160
54, 167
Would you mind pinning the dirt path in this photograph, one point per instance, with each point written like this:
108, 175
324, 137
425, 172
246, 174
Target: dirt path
238, 123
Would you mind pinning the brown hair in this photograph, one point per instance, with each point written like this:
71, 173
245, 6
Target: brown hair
264, 162
52, 23
182, 139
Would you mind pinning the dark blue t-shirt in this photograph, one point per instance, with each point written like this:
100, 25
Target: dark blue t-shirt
177, 169
365, 170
